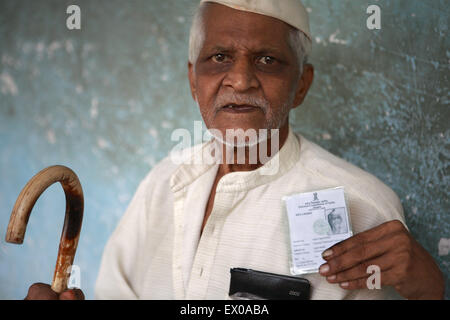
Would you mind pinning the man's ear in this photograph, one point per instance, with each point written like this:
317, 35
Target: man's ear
304, 84
191, 77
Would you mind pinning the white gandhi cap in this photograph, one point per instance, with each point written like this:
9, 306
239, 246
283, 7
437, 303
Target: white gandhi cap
290, 11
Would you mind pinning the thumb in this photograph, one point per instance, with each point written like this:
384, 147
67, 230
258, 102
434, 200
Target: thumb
72, 294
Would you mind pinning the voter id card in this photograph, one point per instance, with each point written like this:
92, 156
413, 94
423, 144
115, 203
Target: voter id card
317, 221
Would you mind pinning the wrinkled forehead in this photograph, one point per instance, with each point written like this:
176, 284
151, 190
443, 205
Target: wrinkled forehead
223, 24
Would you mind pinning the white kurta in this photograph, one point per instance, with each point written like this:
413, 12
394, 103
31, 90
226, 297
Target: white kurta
156, 251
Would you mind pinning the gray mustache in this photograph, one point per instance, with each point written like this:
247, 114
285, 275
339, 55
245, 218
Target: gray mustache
232, 98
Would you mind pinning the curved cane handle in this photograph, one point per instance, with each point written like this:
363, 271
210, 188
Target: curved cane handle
72, 221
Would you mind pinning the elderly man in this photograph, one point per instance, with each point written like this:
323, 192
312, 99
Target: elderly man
188, 224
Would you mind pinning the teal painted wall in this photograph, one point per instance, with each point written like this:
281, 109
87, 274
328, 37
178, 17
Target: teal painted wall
104, 100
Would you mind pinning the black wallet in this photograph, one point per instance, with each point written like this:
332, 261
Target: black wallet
251, 284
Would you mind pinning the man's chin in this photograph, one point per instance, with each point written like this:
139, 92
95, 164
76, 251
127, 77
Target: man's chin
240, 138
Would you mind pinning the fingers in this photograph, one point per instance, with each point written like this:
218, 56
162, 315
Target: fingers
347, 262
357, 255
360, 271
371, 235
72, 294
387, 278
41, 291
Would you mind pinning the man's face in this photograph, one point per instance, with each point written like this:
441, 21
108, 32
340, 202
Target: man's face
336, 222
246, 61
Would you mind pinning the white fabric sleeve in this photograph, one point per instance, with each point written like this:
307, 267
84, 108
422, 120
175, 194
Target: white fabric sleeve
119, 269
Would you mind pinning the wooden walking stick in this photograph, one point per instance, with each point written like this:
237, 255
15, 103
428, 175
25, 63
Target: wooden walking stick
72, 221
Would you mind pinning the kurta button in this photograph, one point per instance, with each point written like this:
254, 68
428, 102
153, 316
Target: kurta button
201, 271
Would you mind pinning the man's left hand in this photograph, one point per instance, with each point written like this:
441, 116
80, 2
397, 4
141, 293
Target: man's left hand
404, 264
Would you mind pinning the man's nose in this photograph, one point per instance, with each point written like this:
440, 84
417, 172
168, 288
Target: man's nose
241, 76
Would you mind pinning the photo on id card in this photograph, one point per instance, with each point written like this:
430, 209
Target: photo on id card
317, 220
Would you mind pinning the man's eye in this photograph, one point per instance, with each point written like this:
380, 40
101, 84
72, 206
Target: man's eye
219, 58
266, 60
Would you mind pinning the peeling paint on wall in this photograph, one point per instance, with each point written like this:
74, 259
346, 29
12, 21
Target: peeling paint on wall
444, 247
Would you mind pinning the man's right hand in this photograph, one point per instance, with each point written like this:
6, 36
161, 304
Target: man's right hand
42, 291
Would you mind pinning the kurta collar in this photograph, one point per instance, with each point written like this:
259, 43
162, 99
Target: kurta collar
277, 166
